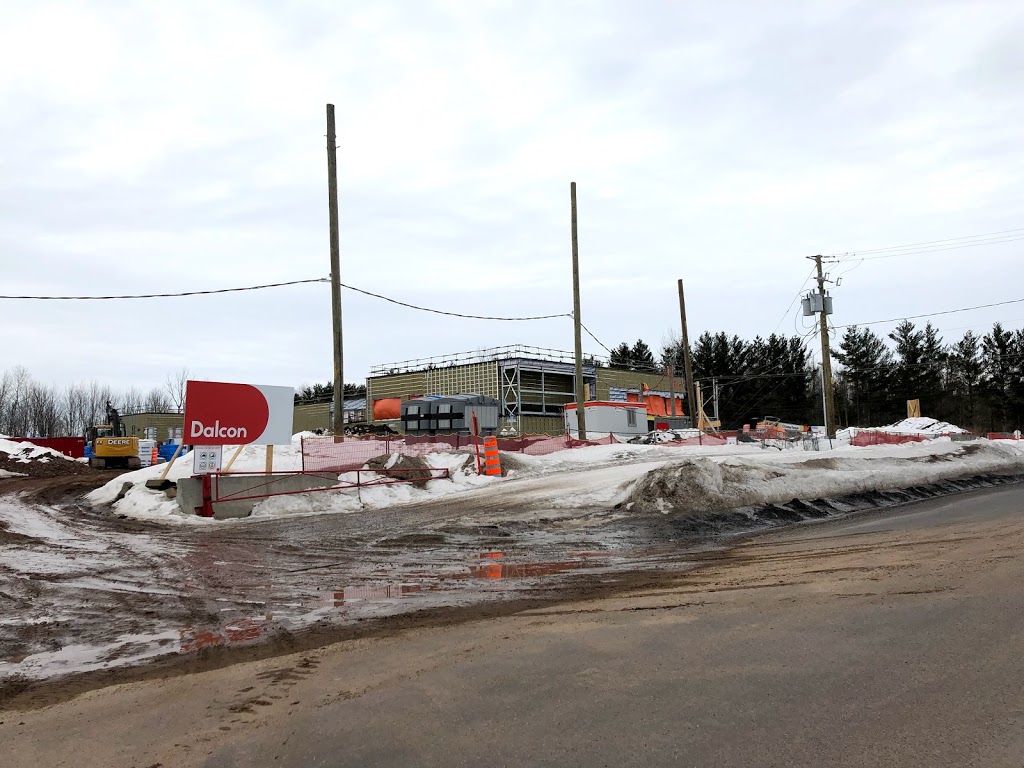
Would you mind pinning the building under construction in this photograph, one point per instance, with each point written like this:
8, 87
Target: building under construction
531, 384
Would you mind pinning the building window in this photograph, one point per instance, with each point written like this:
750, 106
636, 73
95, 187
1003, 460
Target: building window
630, 417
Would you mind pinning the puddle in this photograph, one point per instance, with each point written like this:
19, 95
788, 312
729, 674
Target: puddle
350, 595
496, 567
228, 591
234, 633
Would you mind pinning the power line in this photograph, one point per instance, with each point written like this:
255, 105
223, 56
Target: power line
589, 333
181, 294
164, 295
920, 251
936, 246
946, 240
933, 314
452, 314
795, 299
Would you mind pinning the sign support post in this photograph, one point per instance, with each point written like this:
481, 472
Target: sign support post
231, 461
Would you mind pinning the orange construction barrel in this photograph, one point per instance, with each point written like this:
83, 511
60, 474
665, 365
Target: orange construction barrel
492, 464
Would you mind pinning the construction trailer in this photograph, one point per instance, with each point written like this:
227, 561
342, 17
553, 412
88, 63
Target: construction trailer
532, 386
606, 418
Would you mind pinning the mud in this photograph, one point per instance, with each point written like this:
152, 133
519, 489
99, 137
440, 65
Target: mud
54, 466
61, 488
22, 693
413, 468
144, 601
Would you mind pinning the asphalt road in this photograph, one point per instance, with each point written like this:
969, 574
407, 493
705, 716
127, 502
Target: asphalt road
894, 639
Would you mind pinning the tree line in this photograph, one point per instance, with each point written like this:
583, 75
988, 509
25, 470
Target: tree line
324, 392
976, 382
30, 408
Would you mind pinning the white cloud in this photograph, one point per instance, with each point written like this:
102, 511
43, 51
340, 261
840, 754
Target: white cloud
167, 147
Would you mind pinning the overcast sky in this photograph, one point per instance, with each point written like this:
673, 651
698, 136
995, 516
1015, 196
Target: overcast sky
156, 147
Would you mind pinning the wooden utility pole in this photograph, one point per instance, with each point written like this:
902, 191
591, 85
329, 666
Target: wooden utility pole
581, 411
826, 356
338, 425
672, 383
687, 366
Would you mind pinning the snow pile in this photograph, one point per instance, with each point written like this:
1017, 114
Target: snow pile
129, 496
576, 483
23, 453
922, 425
19, 458
705, 485
462, 476
666, 436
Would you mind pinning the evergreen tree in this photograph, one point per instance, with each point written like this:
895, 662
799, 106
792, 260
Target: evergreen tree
725, 358
906, 376
620, 357
965, 378
672, 355
867, 364
642, 359
1000, 382
934, 357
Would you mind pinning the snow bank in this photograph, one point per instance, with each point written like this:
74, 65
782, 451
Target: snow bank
634, 478
139, 501
461, 467
705, 485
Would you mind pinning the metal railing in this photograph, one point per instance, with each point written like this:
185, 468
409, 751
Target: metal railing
491, 354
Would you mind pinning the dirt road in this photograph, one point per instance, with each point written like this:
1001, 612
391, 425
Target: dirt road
881, 640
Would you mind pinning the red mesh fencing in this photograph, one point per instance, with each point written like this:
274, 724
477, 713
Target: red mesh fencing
323, 454
1003, 436
862, 439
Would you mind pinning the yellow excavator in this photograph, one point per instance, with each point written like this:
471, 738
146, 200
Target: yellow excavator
111, 448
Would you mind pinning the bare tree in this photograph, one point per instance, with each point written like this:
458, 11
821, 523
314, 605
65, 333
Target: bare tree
44, 413
16, 417
157, 401
6, 385
133, 401
96, 398
75, 420
175, 388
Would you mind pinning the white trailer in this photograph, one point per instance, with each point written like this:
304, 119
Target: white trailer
605, 418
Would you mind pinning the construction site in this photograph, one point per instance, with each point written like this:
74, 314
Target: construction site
511, 384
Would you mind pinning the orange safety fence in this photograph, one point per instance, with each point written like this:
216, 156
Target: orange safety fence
863, 438
1003, 436
323, 454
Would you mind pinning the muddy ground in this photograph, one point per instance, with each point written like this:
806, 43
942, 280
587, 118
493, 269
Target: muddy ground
884, 638
52, 467
89, 599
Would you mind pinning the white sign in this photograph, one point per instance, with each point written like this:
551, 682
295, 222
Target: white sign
206, 459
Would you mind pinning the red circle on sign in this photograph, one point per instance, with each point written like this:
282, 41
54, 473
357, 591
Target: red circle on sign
217, 413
